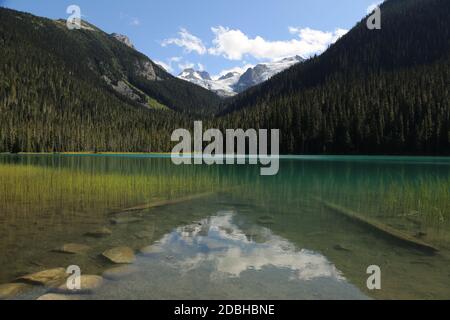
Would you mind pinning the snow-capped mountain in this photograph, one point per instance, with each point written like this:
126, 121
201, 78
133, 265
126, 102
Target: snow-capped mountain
223, 86
264, 71
193, 75
236, 82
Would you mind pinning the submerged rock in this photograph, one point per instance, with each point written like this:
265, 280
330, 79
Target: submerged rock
51, 277
99, 233
266, 220
12, 290
118, 273
338, 247
120, 255
73, 248
88, 283
57, 297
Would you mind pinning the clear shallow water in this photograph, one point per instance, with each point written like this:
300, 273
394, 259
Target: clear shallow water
215, 258
252, 238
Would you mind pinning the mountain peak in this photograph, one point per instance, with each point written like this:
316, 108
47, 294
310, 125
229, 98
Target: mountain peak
234, 82
192, 74
187, 71
264, 71
229, 75
205, 75
294, 58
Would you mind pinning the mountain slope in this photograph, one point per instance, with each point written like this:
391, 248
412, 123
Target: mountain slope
373, 91
60, 90
234, 82
91, 52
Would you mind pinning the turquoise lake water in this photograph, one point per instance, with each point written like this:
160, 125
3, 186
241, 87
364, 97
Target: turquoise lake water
225, 232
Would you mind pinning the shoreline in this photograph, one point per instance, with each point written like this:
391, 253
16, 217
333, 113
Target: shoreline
282, 156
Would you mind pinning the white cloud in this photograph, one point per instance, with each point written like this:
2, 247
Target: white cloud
178, 63
175, 59
187, 41
317, 38
168, 65
132, 21
200, 67
231, 252
374, 5
235, 45
135, 22
186, 65
164, 65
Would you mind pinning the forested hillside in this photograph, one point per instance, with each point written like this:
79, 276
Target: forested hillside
82, 90
47, 111
374, 91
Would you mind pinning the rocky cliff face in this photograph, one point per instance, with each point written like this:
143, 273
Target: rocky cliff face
145, 69
122, 38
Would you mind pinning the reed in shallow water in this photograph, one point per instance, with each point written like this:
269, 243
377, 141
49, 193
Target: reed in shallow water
24, 185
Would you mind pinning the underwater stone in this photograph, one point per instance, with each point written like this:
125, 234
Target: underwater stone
338, 247
49, 277
120, 255
56, 297
266, 220
11, 290
73, 248
99, 233
88, 283
117, 273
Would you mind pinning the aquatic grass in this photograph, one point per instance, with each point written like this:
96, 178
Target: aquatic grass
425, 198
418, 204
26, 185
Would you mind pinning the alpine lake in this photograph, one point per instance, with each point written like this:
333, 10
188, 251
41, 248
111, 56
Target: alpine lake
140, 227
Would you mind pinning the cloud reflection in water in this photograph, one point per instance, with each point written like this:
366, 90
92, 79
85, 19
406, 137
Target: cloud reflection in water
231, 250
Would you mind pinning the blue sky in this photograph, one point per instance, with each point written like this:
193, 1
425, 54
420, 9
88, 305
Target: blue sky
217, 35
